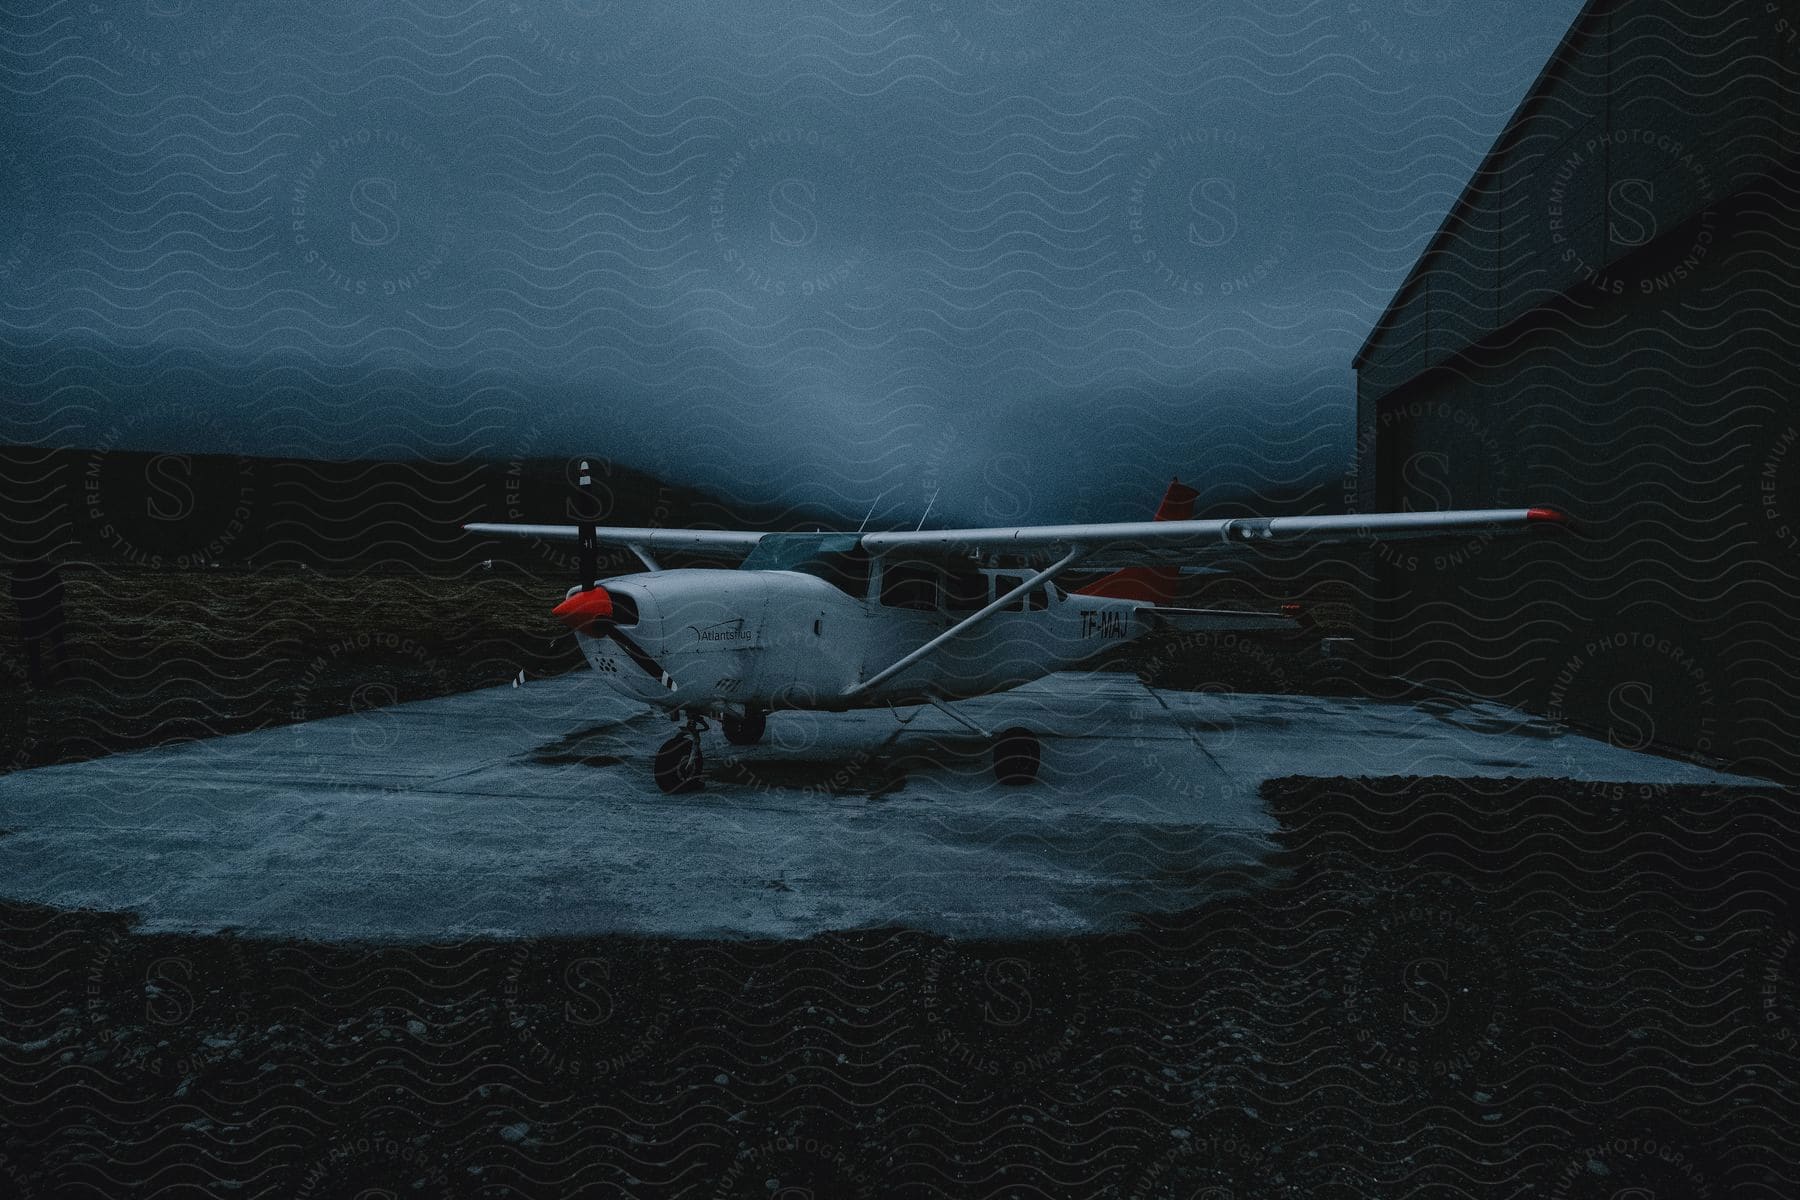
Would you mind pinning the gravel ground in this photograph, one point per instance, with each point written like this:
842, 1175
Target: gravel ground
160, 656
1563, 990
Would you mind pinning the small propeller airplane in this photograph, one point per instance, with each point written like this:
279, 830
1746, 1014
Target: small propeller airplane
838, 621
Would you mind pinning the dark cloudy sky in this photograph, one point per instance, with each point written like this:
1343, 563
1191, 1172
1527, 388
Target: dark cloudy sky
1038, 255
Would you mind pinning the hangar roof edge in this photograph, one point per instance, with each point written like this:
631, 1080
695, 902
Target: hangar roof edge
1577, 33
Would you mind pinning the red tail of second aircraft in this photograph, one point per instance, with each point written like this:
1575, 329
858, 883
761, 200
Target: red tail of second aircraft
1155, 584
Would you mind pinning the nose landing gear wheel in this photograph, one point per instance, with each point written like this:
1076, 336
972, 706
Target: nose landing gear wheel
1016, 756
746, 730
678, 764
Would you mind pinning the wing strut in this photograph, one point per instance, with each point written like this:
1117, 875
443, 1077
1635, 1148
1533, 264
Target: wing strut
894, 668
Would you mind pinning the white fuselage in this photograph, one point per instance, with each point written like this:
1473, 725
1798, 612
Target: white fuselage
735, 639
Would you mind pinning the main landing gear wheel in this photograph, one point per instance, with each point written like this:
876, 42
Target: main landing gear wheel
1016, 756
746, 730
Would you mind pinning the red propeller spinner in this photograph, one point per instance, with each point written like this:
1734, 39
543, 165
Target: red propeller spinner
584, 608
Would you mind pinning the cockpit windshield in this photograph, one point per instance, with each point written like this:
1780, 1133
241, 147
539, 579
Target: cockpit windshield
837, 558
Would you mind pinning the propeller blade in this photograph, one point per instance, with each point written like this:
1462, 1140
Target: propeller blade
636, 654
590, 514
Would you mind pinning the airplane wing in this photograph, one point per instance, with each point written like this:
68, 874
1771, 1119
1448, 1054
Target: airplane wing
1117, 543
1165, 542
1152, 542
698, 541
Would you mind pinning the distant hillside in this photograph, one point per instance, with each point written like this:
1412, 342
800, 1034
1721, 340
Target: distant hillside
183, 511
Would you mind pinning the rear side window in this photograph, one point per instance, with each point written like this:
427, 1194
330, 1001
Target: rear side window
1006, 583
1035, 600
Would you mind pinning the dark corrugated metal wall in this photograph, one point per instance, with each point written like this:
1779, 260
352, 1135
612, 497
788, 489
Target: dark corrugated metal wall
1610, 323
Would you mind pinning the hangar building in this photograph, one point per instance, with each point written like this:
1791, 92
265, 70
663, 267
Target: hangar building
1608, 321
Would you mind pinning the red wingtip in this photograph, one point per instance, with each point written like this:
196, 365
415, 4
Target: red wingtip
1551, 515
584, 608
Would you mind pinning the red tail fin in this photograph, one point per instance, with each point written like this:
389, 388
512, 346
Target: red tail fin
1155, 584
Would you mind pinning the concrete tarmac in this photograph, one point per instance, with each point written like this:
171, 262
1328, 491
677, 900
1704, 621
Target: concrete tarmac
531, 811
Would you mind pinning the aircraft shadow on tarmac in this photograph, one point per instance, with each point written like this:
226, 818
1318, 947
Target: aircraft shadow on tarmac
873, 771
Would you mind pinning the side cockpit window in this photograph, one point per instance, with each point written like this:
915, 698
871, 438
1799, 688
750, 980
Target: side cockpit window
965, 588
913, 585
930, 585
846, 570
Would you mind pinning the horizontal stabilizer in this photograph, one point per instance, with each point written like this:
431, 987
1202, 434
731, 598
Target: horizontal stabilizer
1217, 620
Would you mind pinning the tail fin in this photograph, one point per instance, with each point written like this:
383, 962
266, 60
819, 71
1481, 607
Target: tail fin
1155, 584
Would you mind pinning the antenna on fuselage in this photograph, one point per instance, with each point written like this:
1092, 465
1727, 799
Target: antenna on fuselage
590, 548
928, 506
871, 512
